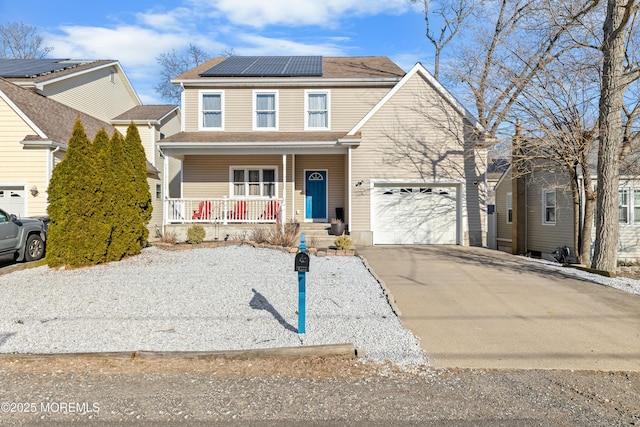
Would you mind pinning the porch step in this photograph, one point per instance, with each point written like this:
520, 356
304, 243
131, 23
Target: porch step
320, 233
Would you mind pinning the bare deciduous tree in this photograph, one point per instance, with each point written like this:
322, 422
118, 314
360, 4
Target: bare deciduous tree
560, 120
21, 41
174, 64
450, 15
619, 70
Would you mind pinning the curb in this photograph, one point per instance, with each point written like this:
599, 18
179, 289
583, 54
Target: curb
390, 298
346, 351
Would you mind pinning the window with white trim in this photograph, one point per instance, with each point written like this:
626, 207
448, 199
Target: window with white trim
254, 181
636, 205
317, 110
265, 106
509, 208
211, 110
549, 207
623, 206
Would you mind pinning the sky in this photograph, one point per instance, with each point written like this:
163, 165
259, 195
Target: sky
136, 32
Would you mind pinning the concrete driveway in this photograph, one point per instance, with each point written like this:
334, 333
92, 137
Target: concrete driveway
479, 308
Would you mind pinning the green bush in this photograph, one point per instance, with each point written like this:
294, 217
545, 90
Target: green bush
195, 234
343, 243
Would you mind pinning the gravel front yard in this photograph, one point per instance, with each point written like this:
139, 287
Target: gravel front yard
209, 299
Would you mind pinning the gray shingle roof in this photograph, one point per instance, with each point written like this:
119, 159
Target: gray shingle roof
146, 112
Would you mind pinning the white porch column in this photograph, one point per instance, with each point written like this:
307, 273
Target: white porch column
349, 191
293, 186
165, 190
284, 191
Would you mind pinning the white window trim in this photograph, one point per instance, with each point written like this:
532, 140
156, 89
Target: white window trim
509, 207
246, 169
306, 108
629, 205
201, 93
255, 113
634, 220
544, 206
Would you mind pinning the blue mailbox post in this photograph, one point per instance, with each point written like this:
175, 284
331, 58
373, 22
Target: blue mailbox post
302, 267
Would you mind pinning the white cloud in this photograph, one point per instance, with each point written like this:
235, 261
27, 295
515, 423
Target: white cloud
327, 13
259, 45
129, 44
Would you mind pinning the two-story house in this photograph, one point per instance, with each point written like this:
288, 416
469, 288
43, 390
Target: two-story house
312, 138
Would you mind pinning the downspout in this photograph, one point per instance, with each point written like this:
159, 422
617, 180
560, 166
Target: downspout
182, 109
52, 164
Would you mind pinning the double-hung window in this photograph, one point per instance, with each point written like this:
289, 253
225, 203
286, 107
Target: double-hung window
254, 181
509, 208
623, 206
636, 205
317, 110
265, 110
549, 207
211, 110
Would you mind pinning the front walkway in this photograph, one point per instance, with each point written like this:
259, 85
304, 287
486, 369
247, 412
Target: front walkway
478, 308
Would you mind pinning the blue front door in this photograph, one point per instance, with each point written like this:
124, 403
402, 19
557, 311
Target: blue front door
316, 197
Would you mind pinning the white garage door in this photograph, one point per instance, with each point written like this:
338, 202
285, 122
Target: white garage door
414, 215
12, 200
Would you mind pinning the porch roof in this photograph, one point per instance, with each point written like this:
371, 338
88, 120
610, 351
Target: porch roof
189, 143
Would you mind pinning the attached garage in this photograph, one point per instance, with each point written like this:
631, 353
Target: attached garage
12, 199
415, 214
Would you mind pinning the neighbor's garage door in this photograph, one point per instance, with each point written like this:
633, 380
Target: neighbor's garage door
12, 199
414, 215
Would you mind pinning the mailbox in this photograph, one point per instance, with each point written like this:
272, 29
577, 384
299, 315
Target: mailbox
302, 262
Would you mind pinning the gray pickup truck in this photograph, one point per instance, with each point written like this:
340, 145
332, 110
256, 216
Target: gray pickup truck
22, 238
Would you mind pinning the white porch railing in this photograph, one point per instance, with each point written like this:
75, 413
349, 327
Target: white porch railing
223, 210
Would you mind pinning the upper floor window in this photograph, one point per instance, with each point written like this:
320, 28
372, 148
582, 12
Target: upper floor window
266, 110
549, 207
509, 208
317, 110
211, 112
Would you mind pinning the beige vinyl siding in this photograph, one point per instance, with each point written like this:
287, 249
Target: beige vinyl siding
545, 238
504, 228
94, 93
414, 136
19, 165
629, 242
208, 176
336, 179
348, 106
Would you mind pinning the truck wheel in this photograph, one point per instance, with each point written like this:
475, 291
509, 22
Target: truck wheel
35, 248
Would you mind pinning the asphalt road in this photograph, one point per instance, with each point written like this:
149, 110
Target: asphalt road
319, 392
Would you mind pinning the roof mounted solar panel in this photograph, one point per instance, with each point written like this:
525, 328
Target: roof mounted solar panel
267, 66
16, 68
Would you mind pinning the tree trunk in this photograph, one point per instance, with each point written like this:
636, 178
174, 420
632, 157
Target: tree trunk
610, 116
589, 212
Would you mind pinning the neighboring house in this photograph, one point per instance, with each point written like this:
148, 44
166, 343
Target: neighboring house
308, 139
39, 102
154, 122
549, 214
99, 88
